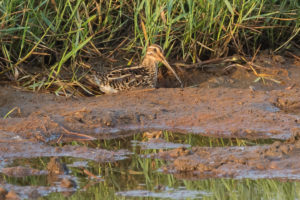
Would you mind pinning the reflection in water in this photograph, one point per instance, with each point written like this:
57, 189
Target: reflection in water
140, 177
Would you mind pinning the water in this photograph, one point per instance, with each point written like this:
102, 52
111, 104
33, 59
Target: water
141, 177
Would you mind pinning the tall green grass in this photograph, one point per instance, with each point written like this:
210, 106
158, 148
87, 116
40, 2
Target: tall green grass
60, 36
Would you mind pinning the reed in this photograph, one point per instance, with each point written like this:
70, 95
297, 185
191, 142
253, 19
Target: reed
45, 44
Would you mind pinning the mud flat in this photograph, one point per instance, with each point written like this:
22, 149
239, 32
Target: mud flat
219, 112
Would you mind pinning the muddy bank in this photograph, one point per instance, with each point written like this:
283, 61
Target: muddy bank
13, 146
217, 101
220, 112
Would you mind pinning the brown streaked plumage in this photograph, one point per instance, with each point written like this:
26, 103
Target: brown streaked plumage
143, 75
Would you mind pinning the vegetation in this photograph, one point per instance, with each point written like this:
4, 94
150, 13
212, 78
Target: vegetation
48, 43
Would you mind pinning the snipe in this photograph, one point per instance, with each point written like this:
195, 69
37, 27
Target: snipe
126, 78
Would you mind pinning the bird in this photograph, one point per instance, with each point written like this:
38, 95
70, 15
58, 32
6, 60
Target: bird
126, 78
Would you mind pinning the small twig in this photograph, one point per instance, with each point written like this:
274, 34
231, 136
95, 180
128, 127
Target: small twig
118, 47
11, 111
84, 136
212, 61
293, 55
59, 139
90, 174
236, 65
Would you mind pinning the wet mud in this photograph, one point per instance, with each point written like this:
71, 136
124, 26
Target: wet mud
219, 112
12, 147
220, 103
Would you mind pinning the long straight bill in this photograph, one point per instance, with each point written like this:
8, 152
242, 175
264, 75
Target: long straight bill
172, 70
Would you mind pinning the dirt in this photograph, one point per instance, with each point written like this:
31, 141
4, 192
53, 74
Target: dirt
13, 146
216, 102
219, 112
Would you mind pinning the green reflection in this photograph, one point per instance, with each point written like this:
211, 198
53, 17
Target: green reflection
123, 142
139, 173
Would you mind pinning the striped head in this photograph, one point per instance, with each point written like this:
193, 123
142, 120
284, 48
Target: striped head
154, 55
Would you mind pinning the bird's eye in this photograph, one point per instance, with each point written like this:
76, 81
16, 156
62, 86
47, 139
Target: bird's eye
155, 50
